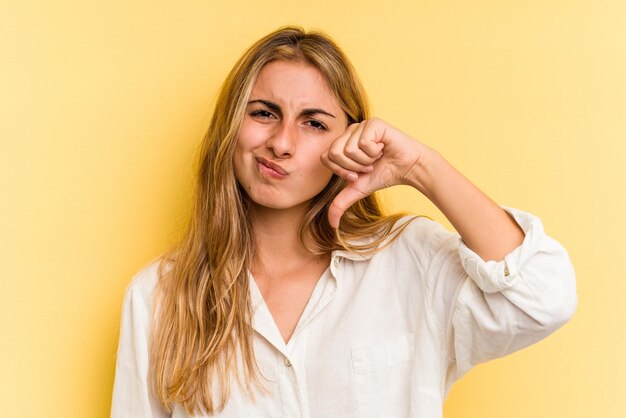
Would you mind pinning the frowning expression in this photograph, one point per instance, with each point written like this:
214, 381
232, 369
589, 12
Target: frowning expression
291, 118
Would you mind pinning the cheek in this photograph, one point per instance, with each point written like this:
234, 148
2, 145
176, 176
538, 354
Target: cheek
319, 174
251, 135
315, 154
238, 160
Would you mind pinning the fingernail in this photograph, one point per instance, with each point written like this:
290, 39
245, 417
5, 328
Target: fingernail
352, 176
368, 168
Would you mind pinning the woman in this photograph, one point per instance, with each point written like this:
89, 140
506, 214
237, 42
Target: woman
292, 295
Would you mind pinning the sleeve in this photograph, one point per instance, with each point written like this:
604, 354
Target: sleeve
131, 394
488, 309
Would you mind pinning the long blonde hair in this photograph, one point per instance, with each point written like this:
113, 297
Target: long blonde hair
202, 328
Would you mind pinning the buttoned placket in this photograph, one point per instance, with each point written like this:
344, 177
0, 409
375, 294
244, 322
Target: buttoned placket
291, 357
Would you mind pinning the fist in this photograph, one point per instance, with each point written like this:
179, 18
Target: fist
372, 155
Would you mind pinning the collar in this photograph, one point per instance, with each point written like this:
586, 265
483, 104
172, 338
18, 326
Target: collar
350, 255
366, 240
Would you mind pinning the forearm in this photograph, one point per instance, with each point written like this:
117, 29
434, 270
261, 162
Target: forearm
484, 226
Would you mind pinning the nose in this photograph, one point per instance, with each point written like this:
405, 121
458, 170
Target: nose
283, 140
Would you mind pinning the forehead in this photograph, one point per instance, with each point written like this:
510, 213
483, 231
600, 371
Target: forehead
294, 84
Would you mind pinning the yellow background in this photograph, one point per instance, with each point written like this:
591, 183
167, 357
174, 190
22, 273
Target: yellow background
103, 105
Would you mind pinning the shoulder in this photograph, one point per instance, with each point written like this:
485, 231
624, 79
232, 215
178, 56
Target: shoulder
412, 239
420, 234
141, 287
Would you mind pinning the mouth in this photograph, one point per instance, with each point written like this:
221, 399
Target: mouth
270, 168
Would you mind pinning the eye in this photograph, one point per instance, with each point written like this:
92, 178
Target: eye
261, 113
317, 125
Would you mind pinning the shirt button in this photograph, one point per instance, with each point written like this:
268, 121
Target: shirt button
287, 362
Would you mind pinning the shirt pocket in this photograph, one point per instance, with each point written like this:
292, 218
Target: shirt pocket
382, 376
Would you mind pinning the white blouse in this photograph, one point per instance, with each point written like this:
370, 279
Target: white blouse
383, 335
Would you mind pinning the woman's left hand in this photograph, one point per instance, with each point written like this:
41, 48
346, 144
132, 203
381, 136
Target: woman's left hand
372, 155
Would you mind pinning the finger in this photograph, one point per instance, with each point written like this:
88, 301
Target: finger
338, 157
338, 152
354, 147
373, 149
346, 134
346, 198
370, 140
337, 169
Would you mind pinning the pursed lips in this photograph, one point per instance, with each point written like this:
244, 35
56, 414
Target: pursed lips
271, 167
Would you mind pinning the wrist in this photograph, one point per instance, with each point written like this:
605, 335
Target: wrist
424, 172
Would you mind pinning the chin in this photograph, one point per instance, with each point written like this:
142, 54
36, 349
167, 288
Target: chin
277, 202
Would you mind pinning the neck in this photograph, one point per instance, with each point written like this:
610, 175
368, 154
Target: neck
276, 234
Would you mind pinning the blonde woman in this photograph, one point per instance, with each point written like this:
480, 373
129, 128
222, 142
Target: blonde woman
293, 295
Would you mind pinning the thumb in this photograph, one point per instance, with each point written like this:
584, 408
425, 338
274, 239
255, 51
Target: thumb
346, 198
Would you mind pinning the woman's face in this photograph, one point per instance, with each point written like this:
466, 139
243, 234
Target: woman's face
291, 119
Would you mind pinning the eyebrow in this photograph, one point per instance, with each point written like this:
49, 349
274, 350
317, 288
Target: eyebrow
306, 112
